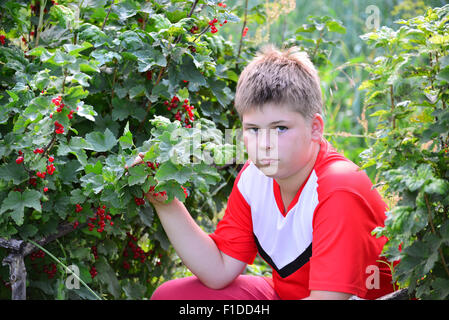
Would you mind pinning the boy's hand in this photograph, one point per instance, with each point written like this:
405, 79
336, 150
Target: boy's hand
155, 198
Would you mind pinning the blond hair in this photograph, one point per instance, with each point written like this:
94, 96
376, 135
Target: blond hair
281, 77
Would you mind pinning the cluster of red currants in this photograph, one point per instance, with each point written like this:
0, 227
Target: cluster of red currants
50, 270
94, 251
137, 252
37, 254
212, 23
188, 111
139, 201
93, 272
100, 217
59, 128
50, 167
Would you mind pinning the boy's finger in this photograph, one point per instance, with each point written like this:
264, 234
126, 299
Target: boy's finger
138, 160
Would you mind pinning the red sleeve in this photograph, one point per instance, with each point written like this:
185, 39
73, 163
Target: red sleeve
343, 246
234, 233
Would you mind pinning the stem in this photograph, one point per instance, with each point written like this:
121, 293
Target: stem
283, 25
318, 42
107, 16
393, 119
63, 80
50, 144
201, 33
67, 269
41, 18
429, 217
243, 28
192, 8
114, 79
159, 77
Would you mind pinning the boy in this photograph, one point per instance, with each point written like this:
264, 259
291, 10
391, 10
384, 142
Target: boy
307, 210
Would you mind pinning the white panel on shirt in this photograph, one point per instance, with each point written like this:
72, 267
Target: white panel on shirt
283, 239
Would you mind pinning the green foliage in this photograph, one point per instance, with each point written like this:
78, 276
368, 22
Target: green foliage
84, 88
408, 92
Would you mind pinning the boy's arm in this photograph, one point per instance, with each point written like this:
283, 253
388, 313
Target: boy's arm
196, 249
327, 295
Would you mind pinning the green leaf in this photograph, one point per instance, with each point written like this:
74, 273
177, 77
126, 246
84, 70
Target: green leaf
107, 276
121, 109
168, 171
77, 196
97, 168
61, 205
92, 34
137, 175
76, 93
38, 51
126, 141
438, 186
27, 231
146, 215
220, 91
125, 9
101, 142
17, 202
443, 75
69, 171
63, 15
442, 288
149, 57
93, 181
13, 172
112, 196
86, 111
334, 26
190, 72
75, 49
134, 291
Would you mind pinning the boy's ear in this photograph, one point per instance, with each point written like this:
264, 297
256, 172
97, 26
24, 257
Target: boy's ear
317, 127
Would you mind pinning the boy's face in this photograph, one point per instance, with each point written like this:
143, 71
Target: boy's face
279, 141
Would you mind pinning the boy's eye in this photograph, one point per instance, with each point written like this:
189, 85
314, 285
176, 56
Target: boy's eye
281, 128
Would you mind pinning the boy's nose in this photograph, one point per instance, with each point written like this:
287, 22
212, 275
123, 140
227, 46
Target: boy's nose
267, 139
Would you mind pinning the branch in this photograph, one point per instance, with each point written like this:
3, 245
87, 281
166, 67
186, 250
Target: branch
393, 119
49, 145
241, 33
201, 33
25, 248
107, 16
41, 18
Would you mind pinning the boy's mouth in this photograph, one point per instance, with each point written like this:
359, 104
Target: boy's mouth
267, 162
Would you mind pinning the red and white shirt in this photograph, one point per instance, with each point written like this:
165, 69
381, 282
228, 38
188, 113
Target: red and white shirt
322, 242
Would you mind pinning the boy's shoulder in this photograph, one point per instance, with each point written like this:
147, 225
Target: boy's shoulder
335, 172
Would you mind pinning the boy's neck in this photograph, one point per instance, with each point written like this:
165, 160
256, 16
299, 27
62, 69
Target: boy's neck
290, 186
